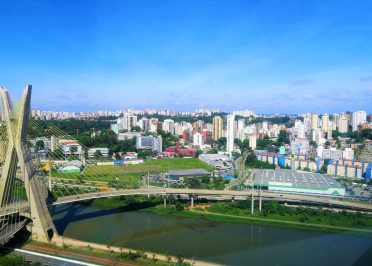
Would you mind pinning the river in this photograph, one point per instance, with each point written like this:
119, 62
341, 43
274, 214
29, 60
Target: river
224, 243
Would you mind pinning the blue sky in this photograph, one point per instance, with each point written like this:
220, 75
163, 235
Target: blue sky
267, 56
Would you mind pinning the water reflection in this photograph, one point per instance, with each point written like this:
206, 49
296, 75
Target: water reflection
232, 244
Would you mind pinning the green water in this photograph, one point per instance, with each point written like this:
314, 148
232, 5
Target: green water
224, 243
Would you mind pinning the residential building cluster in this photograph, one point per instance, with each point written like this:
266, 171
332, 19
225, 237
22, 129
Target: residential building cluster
309, 137
55, 115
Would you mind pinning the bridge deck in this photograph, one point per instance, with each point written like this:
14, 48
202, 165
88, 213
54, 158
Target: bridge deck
12, 208
9, 231
340, 202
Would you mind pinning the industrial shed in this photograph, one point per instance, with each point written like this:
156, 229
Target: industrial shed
177, 174
292, 181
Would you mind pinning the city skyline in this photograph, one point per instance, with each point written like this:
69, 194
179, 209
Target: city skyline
268, 57
198, 112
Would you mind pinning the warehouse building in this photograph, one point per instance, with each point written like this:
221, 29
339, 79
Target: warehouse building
179, 174
285, 180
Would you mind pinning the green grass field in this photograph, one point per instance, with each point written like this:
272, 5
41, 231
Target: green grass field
149, 165
131, 174
176, 164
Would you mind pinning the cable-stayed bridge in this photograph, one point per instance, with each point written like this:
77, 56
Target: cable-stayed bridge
41, 165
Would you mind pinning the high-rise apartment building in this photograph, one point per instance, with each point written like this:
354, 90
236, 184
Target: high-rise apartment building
307, 122
158, 144
144, 124
198, 139
359, 118
168, 126
343, 124
314, 121
325, 121
252, 140
129, 120
300, 129
217, 127
230, 133
153, 124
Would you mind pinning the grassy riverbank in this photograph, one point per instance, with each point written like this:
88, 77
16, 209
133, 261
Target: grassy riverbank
299, 218
273, 213
106, 255
100, 254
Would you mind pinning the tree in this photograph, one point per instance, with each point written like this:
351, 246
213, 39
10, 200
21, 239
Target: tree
245, 145
313, 143
213, 151
56, 154
145, 153
253, 162
168, 138
238, 142
335, 134
179, 206
97, 155
235, 155
327, 144
282, 137
136, 129
118, 156
222, 141
39, 145
264, 144
198, 152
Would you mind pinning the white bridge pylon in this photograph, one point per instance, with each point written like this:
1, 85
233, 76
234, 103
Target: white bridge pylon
17, 159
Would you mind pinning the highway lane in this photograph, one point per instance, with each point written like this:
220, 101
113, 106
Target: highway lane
47, 259
340, 202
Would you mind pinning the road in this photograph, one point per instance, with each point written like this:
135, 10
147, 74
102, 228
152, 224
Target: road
53, 256
46, 259
333, 201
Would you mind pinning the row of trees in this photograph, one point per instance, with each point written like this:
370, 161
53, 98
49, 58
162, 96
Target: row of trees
274, 120
206, 182
253, 162
303, 214
271, 145
188, 119
358, 136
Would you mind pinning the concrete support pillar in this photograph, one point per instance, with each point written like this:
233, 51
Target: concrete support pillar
148, 184
260, 203
252, 204
165, 201
232, 199
192, 201
50, 183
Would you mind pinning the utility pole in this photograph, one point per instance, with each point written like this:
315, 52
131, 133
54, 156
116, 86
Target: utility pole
252, 204
50, 176
148, 184
260, 202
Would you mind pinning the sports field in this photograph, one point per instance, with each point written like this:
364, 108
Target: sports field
131, 173
149, 165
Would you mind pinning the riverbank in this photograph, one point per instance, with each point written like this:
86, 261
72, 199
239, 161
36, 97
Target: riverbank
236, 216
237, 239
106, 254
273, 213
295, 224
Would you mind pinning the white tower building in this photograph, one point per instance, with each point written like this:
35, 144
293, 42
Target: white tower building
230, 128
359, 118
